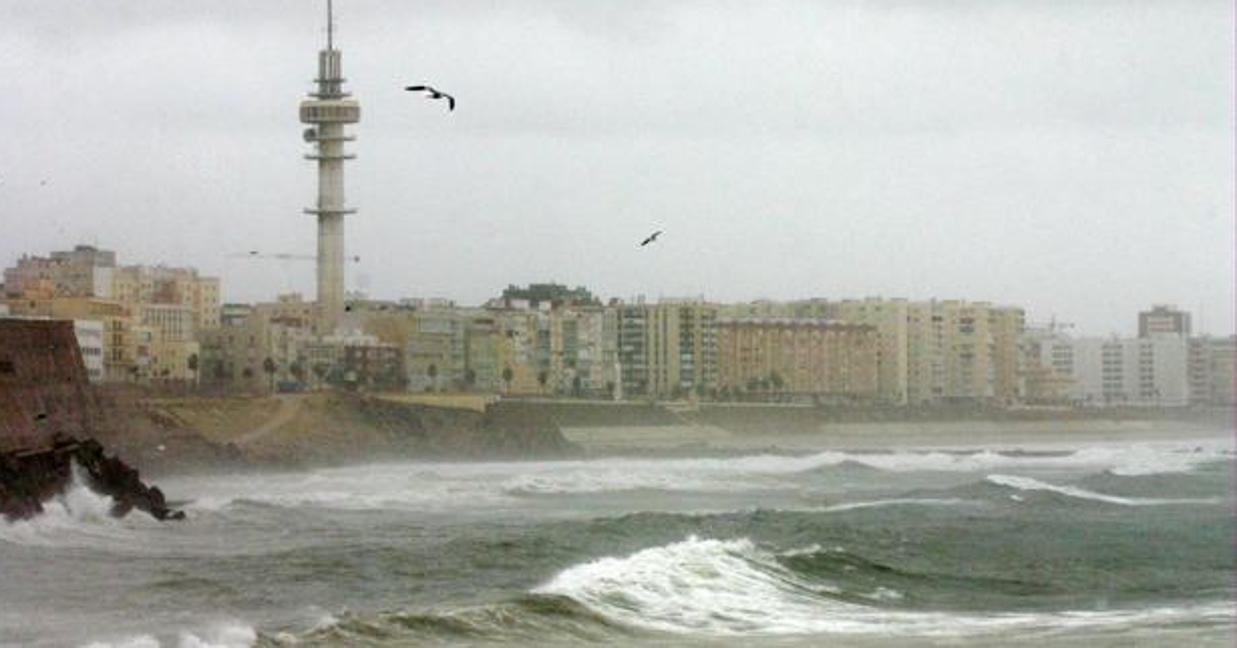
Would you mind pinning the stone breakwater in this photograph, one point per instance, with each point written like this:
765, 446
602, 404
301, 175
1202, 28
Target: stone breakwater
29, 478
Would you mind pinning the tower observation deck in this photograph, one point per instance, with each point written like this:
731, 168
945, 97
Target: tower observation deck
328, 110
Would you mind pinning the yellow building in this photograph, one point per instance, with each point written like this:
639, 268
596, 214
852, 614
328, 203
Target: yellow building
120, 359
1007, 325
236, 356
139, 284
668, 349
890, 318
963, 351
798, 356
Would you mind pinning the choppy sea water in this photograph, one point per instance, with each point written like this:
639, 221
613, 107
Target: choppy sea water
1094, 544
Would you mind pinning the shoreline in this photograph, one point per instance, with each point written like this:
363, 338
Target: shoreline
185, 435
883, 437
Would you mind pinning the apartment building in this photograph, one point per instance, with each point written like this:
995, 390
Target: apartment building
891, 320
667, 349
1210, 367
84, 271
1130, 371
1163, 319
801, 356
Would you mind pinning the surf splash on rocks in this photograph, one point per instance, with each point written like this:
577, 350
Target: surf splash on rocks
29, 478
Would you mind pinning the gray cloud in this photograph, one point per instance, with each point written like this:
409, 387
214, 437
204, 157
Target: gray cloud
1075, 158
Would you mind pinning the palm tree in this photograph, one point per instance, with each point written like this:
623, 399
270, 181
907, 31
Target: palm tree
508, 374
192, 363
320, 370
268, 365
777, 381
298, 371
543, 377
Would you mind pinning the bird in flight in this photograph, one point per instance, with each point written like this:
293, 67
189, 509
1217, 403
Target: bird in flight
434, 94
652, 237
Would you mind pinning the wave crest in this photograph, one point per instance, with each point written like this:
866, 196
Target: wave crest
1029, 484
732, 587
78, 510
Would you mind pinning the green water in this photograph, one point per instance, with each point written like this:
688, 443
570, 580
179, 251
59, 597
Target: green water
1115, 544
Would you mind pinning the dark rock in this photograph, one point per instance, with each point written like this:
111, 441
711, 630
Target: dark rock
29, 478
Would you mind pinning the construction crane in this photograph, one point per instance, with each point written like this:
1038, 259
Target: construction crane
282, 256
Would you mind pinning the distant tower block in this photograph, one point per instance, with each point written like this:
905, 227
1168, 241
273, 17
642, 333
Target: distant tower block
328, 111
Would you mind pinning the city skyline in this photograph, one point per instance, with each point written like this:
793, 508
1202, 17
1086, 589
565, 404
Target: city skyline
498, 296
917, 152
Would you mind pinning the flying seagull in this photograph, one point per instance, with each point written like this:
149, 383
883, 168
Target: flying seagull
434, 94
652, 237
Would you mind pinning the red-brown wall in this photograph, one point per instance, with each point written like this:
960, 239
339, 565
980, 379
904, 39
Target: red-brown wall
41, 373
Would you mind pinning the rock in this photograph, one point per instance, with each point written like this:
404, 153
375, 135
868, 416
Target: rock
29, 478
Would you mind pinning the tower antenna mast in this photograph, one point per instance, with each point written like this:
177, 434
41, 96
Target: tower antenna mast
330, 26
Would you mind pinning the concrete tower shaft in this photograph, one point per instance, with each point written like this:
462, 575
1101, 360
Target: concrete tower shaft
328, 111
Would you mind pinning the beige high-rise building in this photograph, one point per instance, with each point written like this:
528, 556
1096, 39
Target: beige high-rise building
583, 353
798, 356
168, 341
668, 349
1007, 324
1211, 367
84, 271
927, 352
961, 351
890, 318
681, 347
138, 284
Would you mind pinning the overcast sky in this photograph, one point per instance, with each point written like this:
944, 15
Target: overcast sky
1074, 158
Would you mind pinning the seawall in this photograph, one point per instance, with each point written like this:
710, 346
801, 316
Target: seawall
332, 428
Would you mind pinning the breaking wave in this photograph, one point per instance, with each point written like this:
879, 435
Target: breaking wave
447, 487
1029, 484
730, 588
79, 513
1128, 460
222, 635
733, 587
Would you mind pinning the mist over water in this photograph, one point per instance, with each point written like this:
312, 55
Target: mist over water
1095, 544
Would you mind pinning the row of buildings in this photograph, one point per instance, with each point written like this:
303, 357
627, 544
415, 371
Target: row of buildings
135, 323
1164, 366
155, 324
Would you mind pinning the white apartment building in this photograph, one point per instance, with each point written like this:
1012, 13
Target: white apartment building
1108, 372
89, 334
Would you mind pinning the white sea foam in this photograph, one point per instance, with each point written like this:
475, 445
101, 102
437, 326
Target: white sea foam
140, 641
732, 587
229, 634
1029, 484
708, 586
449, 487
78, 513
1122, 459
905, 501
604, 479
223, 635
